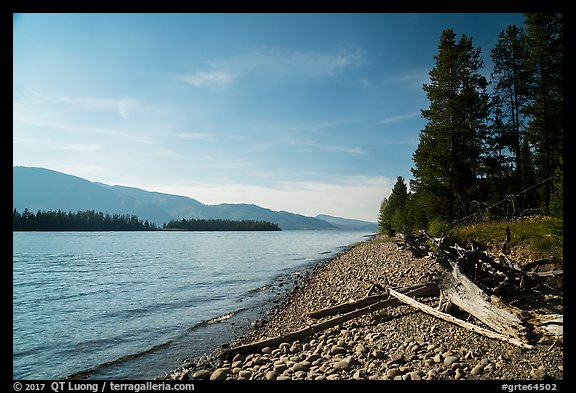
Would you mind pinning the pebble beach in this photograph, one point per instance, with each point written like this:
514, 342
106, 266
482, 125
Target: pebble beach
396, 343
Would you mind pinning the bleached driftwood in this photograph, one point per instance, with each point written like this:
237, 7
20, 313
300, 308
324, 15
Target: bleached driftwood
382, 302
447, 317
429, 288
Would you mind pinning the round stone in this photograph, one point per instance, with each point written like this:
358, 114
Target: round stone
220, 374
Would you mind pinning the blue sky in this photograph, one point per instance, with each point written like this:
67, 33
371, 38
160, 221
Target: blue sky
309, 113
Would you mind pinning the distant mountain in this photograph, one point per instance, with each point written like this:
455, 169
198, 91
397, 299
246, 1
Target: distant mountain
349, 224
45, 189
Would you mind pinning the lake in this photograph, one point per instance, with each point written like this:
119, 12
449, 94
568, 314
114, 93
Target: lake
135, 305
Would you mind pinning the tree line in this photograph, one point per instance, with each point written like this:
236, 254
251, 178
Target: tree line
490, 145
90, 220
221, 225
87, 220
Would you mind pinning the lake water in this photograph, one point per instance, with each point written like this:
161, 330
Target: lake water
135, 305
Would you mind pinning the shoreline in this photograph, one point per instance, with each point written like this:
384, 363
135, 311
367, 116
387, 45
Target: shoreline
396, 343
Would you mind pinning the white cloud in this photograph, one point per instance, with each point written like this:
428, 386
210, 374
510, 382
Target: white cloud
211, 79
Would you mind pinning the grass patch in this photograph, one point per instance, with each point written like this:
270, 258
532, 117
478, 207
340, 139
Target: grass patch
382, 238
531, 238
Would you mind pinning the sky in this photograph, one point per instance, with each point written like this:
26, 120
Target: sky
307, 113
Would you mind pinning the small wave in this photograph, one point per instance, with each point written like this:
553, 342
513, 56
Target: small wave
259, 289
217, 319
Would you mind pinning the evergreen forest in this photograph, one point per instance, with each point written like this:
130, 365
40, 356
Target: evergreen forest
221, 225
90, 220
492, 146
87, 220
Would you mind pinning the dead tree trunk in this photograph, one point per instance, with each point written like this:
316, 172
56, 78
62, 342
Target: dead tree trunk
462, 292
466, 271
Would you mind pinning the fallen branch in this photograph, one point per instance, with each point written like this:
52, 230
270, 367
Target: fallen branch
552, 273
429, 288
385, 301
449, 318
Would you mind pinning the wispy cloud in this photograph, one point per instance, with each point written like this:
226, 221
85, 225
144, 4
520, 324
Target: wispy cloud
304, 144
195, 136
305, 63
220, 73
398, 118
212, 79
122, 106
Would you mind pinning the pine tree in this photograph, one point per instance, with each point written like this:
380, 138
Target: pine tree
510, 80
546, 127
392, 214
447, 158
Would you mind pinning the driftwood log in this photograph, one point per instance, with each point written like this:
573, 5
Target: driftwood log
429, 288
359, 308
447, 317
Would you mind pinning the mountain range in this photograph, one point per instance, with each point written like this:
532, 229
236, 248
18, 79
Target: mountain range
44, 189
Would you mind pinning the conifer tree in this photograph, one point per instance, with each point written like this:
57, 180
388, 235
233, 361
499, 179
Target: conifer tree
447, 158
510, 80
545, 63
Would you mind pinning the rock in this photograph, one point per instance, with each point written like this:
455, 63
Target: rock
459, 374
359, 374
360, 349
238, 358
312, 358
415, 376
271, 375
280, 367
220, 374
397, 357
295, 347
393, 372
284, 347
266, 350
342, 365
301, 366
538, 373
448, 360
337, 350
477, 370
245, 374
201, 374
